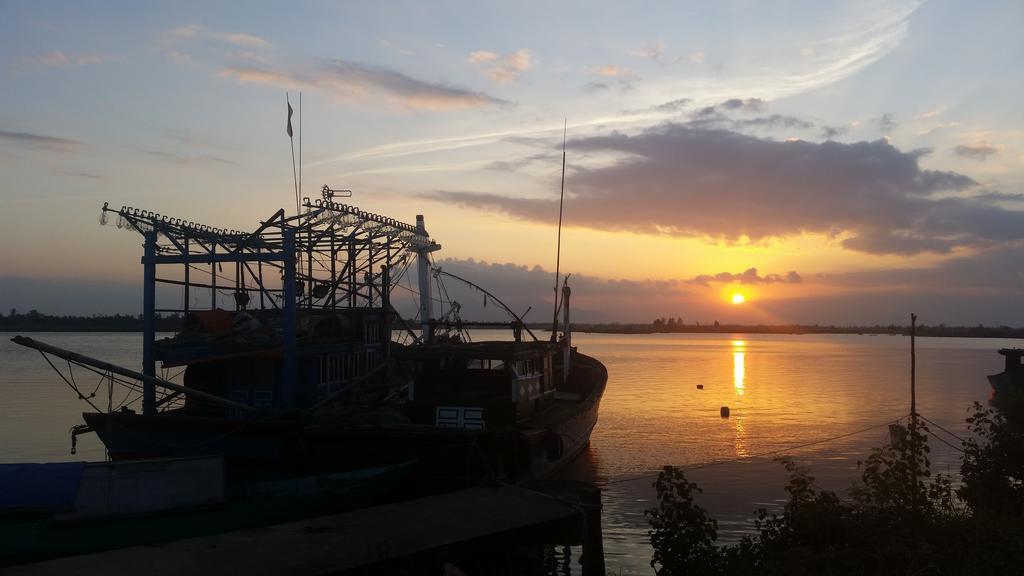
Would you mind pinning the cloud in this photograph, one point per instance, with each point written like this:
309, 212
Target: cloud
650, 51
86, 175
748, 276
190, 31
830, 132
503, 69
39, 141
481, 57
772, 121
886, 123
713, 117
614, 72
688, 181
58, 58
979, 151
670, 107
697, 57
392, 46
240, 39
198, 32
747, 105
596, 86
519, 163
198, 160
348, 81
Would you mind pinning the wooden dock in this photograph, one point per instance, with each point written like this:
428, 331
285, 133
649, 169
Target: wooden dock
350, 541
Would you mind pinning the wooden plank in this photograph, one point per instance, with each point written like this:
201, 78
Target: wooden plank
331, 544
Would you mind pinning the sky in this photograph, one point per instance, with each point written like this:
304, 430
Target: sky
834, 162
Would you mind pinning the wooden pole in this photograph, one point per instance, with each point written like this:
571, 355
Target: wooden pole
913, 418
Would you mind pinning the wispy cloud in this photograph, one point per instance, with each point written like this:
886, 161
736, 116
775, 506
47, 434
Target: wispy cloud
503, 69
610, 71
189, 160
58, 58
349, 81
650, 52
242, 39
86, 175
39, 141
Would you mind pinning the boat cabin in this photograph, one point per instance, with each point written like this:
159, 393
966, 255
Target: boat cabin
238, 355
1014, 366
480, 385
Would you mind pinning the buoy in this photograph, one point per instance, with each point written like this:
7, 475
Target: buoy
700, 386
725, 411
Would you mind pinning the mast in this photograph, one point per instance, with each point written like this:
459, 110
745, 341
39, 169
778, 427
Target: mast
423, 269
558, 253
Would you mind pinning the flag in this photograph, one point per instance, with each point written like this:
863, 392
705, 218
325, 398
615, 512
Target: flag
289, 119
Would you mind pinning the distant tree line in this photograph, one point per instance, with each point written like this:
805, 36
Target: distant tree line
35, 321
677, 326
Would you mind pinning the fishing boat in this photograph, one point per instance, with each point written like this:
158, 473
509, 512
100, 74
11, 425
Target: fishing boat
294, 363
69, 508
1011, 379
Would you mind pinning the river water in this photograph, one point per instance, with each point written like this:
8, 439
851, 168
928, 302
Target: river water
782, 391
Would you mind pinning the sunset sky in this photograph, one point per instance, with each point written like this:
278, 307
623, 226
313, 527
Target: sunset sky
843, 163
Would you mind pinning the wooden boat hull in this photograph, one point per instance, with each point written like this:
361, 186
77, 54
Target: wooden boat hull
132, 436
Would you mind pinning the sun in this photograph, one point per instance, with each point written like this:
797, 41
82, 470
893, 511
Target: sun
738, 298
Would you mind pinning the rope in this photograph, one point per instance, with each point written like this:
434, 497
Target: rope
940, 427
66, 381
763, 454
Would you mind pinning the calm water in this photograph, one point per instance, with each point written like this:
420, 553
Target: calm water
782, 391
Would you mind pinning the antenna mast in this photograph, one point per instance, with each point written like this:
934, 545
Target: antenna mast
558, 254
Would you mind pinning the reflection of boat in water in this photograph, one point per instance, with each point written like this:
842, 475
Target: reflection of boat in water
1012, 378
303, 374
68, 508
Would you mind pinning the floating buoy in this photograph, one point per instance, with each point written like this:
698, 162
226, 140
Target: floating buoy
700, 386
725, 411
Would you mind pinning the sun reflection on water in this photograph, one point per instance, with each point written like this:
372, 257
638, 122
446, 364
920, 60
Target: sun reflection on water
739, 371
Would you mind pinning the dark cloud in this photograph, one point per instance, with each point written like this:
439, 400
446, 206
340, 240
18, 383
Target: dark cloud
830, 132
749, 105
976, 151
773, 121
519, 163
748, 276
692, 182
39, 141
530, 287
673, 105
886, 123
596, 86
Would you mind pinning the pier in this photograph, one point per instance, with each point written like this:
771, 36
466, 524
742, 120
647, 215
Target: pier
370, 540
